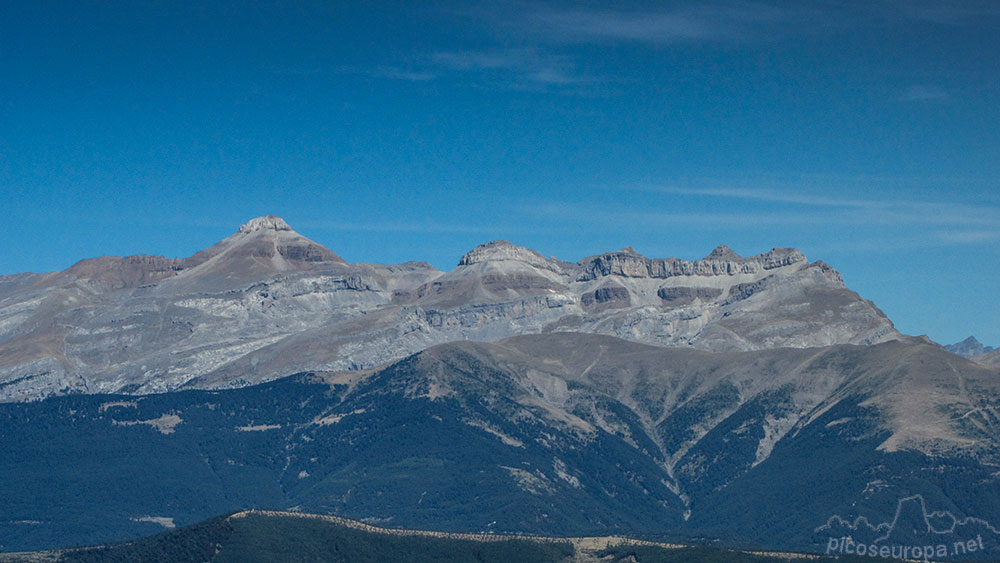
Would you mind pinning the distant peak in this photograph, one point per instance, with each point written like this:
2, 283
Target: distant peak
265, 223
723, 252
969, 347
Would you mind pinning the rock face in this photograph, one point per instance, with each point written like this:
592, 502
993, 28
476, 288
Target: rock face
267, 301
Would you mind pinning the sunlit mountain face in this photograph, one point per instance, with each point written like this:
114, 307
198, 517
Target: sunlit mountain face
266, 302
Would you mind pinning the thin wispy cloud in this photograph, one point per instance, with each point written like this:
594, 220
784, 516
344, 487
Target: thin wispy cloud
546, 60
480, 60
581, 214
303, 70
882, 211
759, 194
580, 25
935, 11
384, 71
391, 227
703, 22
516, 67
866, 223
970, 237
397, 73
924, 93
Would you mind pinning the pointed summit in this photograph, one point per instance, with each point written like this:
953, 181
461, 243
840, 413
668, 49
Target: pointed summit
265, 223
723, 252
261, 247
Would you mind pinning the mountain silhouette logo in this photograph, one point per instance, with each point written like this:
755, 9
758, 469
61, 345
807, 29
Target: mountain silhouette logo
914, 532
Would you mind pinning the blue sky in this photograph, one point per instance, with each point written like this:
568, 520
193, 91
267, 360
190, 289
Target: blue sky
865, 134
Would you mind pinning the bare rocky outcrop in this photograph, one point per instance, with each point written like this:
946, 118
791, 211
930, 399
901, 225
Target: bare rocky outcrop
265, 223
608, 296
721, 262
685, 295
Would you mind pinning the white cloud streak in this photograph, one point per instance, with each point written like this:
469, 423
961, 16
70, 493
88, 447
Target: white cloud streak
516, 67
537, 64
949, 13
391, 227
397, 73
919, 223
881, 211
970, 237
699, 22
924, 93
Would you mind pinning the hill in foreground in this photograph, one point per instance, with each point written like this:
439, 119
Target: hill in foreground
249, 537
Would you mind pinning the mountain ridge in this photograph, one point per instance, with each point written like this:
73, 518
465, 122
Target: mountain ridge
267, 301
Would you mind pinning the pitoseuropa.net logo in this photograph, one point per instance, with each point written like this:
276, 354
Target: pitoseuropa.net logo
847, 545
913, 533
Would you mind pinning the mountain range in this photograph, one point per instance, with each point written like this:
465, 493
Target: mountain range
266, 302
752, 402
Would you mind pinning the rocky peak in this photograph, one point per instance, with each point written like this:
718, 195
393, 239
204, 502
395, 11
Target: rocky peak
828, 271
778, 257
261, 246
501, 250
265, 223
723, 252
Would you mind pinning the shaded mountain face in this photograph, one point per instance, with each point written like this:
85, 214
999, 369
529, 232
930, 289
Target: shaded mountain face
969, 348
557, 434
267, 301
